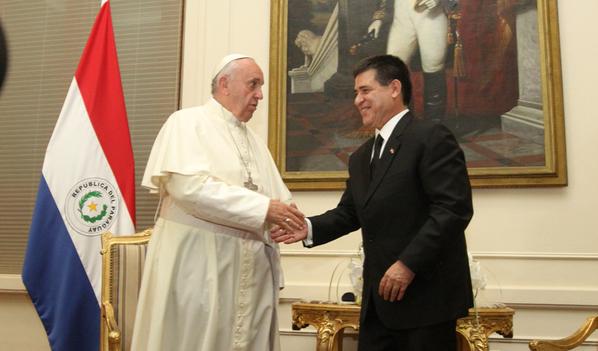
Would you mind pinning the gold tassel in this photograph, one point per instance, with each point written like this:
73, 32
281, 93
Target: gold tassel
458, 60
455, 39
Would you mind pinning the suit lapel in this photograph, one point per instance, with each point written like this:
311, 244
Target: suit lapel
361, 175
390, 151
365, 163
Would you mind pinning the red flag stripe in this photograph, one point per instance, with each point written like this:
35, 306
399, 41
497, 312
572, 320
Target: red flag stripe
98, 78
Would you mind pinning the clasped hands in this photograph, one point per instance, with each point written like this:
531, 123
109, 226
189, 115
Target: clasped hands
288, 223
282, 235
285, 217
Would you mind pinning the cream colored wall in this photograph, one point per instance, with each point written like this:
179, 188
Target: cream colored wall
20, 327
537, 246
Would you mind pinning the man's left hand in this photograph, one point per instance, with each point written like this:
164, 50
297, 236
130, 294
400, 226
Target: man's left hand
395, 282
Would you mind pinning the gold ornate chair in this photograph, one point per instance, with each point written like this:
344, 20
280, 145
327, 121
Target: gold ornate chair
123, 258
569, 342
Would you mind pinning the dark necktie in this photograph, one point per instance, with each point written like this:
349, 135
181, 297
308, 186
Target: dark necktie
376, 158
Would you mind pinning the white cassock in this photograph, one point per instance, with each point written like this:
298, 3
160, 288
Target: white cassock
212, 273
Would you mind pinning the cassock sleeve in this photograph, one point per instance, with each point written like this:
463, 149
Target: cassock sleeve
212, 200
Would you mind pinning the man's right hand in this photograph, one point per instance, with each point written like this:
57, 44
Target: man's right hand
281, 235
285, 216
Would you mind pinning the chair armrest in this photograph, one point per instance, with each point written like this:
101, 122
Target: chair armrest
568, 342
111, 326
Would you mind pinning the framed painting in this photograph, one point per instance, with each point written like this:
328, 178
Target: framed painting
489, 70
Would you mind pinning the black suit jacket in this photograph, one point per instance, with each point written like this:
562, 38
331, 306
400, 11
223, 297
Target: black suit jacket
415, 210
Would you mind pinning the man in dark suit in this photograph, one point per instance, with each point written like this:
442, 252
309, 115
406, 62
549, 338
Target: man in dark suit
412, 201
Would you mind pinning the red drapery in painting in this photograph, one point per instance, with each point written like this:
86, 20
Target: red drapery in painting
489, 86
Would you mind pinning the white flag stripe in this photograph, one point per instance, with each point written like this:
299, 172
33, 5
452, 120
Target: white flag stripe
67, 162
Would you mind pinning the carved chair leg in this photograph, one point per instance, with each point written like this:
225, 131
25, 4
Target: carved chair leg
329, 339
338, 340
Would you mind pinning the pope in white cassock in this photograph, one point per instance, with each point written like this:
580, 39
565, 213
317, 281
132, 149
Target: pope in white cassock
212, 273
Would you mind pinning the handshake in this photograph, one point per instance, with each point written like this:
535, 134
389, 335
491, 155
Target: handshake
288, 223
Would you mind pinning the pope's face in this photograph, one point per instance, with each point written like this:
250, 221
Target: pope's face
245, 89
375, 102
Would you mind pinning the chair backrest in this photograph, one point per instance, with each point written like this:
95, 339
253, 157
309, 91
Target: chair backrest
122, 268
570, 342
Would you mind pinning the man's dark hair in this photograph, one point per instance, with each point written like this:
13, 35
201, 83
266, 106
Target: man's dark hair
388, 68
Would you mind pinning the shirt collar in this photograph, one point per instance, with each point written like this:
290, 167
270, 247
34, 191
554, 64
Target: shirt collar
387, 129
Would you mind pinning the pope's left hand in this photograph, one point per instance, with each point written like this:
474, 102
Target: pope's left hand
395, 282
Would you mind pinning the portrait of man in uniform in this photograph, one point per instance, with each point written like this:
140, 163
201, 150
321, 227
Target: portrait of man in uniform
475, 67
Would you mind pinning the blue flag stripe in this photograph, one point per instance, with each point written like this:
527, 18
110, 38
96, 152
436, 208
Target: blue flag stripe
62, 299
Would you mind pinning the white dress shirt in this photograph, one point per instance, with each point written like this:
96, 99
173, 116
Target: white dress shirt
385, 132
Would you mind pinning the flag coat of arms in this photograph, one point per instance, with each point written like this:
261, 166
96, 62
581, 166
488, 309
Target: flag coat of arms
87, 187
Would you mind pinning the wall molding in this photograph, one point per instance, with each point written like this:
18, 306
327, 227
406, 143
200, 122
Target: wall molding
349, 332
11, 284
516, 306
319, 253
589, 256
548, 298
526, 340
311, 333
553, 307
571, 256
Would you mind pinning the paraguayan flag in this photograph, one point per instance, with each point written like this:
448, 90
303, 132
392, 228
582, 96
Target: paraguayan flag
87, 187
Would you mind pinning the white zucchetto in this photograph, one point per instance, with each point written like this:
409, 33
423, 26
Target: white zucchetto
225, 61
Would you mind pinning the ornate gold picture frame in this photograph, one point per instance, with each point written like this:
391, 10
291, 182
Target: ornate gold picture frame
502, 73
